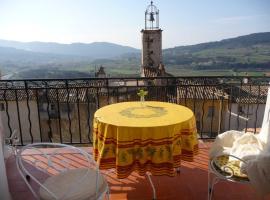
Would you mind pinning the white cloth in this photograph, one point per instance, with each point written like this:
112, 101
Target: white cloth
236, 143
258, 171
264, 134
224, 143
246, 147
254, 149
251, 149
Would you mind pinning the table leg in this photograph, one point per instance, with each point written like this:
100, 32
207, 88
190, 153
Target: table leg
152, 185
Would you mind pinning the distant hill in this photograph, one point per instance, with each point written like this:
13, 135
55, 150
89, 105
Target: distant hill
92, 50
240, 54
13, 60
249, 51
14, 53
18, 56
232, 43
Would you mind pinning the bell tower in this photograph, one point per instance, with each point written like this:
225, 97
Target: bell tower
151, 41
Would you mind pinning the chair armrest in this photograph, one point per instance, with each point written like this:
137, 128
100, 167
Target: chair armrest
226, 169
13, 140
229, 155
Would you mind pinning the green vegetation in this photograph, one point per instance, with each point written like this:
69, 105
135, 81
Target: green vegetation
245, 55
52, 73
190, 72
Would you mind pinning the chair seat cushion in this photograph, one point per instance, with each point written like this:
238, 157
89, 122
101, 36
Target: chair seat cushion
74, 184
225, 167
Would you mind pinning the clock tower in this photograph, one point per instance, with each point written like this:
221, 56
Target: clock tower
151, 42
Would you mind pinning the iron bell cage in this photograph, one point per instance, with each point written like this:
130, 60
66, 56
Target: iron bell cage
151, 17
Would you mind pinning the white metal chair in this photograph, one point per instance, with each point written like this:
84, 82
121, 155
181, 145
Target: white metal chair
223, 167
62, 176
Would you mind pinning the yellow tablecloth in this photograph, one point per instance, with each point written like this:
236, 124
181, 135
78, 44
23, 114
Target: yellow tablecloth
153, 136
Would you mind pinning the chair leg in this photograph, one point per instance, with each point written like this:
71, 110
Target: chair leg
108, 194
27, 177
209, 189
152, 185
211, 185
212, 181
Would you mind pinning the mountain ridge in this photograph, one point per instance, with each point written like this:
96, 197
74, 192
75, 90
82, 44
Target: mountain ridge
261, 37
40, 47
92, 50
248, 52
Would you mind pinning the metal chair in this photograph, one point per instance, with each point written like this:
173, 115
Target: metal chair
221, 167
57, 170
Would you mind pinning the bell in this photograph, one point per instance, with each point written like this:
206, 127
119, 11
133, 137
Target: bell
152, 17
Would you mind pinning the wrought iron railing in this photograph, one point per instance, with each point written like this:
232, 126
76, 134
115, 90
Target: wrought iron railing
61, 110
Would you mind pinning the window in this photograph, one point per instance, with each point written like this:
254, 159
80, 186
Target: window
211, 111
2, 107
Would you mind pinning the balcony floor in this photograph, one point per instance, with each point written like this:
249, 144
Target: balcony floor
190, 184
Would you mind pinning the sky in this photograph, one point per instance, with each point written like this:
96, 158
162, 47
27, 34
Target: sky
184, 22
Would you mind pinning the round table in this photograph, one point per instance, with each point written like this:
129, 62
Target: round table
144, 136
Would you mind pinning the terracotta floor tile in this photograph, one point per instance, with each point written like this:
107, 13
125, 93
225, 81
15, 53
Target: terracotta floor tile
189, 184
22, 196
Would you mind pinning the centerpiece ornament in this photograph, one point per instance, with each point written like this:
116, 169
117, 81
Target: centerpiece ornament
142, 94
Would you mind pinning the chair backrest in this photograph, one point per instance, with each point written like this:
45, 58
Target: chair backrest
43, 160
264, 134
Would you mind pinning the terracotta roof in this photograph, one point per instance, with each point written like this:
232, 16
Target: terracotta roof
200, 92
12, 95
248, 94
154, 72
31, 95
199, 89
39, 89
63, 95
185, 89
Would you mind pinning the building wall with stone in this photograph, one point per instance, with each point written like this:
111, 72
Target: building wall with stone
210, 114
250, 116
75, 128
151, 48
12, 119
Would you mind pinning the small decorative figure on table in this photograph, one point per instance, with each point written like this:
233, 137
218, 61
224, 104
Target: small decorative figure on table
142, 94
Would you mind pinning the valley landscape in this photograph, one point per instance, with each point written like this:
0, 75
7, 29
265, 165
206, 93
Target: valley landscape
243, 55
134, 99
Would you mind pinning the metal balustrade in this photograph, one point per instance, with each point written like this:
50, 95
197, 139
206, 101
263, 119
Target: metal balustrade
61, 110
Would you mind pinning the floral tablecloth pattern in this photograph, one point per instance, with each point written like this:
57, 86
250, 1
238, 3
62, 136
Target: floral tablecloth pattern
152, 137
